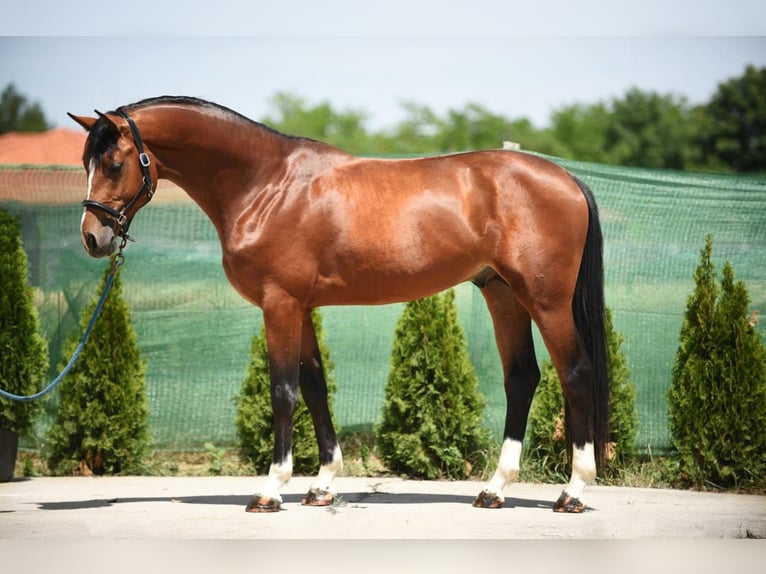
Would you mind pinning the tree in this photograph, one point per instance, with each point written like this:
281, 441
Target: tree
640, 129
23, 350
472, 128
321, 122
581, 131
649, 130
254, 422
17, 114
432, 411
415, 134
101, 421
734, 129
529, 138
717, 397
547, 446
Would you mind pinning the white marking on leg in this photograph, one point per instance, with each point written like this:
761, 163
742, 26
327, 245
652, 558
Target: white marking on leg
279, 475
583, 470
507, 468
328, 471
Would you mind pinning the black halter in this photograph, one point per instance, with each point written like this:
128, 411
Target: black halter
121, 217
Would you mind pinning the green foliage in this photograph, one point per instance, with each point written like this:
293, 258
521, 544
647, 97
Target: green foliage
344, 129
717, 399
17, 114
547, 448
734, 128
23, 351
649, 130
432, 411
216, 458
640, 128
254, 422
101, 421
471, 128
581, 130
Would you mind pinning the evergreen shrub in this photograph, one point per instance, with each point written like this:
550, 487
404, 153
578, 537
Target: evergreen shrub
101, 420
254, 420
23, 350
432, 412
717, 397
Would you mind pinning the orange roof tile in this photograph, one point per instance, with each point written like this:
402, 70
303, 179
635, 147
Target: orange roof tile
60, 146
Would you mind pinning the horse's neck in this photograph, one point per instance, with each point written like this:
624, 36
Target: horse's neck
215, 159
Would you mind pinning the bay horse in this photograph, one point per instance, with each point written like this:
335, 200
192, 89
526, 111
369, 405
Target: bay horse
303, 224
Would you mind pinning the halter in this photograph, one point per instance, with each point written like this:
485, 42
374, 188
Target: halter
121, 217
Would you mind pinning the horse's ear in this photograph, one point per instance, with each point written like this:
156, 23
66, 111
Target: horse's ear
84, 121
108, 120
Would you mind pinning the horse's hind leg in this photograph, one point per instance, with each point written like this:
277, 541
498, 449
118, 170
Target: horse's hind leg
314, 390
576, 374
513, 334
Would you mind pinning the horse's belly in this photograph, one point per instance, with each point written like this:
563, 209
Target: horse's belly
389, 285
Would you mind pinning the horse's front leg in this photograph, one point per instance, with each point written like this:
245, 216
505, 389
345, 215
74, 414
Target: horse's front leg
314, 390
282, 320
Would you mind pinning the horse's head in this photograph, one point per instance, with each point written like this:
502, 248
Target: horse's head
121, 179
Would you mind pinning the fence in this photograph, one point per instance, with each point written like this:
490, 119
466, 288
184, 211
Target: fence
195, 331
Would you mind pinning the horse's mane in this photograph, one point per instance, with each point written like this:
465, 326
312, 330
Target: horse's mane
102, 138
200, 103
184, 101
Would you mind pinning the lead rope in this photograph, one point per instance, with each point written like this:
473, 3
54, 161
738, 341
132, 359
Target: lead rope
118, 261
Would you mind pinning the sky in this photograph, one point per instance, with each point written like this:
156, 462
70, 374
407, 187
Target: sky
514, 59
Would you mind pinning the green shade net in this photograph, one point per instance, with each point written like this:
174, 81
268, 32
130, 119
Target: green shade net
194, 330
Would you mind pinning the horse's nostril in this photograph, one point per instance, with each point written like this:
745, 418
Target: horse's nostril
91, 241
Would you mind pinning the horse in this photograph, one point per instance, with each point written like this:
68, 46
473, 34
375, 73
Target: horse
303, 224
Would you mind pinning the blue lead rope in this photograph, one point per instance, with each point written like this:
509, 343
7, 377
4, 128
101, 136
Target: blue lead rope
119, 259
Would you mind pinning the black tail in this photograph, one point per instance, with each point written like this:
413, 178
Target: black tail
588, 308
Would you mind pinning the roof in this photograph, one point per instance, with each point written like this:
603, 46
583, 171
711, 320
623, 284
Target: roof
59, 146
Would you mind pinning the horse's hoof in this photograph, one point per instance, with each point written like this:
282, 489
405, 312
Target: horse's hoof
263, 504
488, 499
567, 504
318, 497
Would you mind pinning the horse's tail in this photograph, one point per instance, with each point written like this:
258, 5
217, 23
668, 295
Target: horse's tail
588, 308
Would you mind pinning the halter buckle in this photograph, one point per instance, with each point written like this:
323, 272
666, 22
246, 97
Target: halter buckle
143, 158
148, 188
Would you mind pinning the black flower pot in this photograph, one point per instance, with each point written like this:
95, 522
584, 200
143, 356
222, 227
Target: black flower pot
9, 447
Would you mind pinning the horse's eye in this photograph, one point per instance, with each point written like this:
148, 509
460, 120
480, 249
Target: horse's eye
115, 167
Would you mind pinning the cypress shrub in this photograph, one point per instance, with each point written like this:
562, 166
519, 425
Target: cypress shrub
254, 420
101, 420
23, 351
546, 454
717, 397
432, 411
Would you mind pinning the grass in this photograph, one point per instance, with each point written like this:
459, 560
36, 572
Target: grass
360, 459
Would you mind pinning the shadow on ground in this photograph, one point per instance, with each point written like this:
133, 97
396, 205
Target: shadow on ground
357, 498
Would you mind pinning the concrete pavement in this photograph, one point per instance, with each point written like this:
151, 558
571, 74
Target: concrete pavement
152, 508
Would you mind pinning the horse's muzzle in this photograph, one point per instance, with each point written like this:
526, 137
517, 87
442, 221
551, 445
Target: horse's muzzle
99, 242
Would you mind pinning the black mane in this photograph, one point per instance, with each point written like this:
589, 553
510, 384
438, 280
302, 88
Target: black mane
102, 137
183, 101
